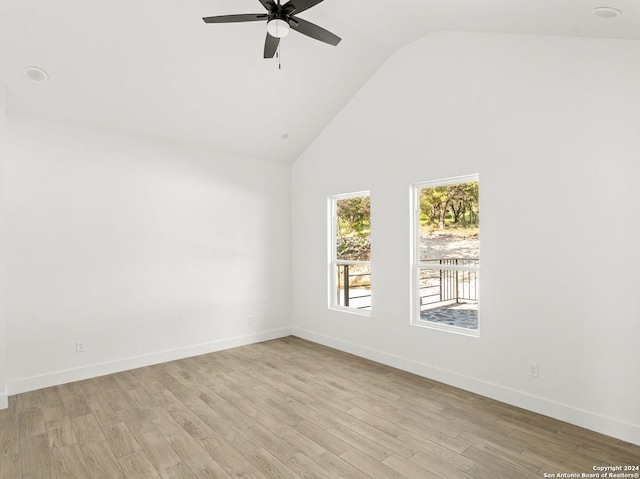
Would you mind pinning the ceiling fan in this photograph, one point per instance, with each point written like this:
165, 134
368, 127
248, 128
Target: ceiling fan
280, 19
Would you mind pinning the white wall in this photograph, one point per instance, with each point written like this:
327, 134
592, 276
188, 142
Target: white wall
551, 125
3, 351
147, 251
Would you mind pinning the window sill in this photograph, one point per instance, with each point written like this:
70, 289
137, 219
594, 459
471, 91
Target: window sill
473, 333
358, 312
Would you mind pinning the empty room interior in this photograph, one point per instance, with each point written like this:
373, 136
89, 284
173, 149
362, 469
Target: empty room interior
175, 293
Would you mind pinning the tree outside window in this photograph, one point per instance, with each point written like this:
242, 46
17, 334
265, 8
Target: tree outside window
447, 254
350, 268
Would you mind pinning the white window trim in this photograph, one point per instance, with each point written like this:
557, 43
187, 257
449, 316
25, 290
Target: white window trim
417, 265
333, 254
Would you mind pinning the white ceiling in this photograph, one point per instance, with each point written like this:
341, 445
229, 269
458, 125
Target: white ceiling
153, 68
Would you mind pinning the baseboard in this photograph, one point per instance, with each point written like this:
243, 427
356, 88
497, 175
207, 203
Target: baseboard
55, 378
579, 417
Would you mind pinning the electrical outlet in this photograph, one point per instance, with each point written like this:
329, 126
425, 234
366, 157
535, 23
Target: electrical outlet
532, 368
79, 346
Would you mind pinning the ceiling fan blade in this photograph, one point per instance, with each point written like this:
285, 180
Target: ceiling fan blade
244, 17
270, 5
270, 46
296, 6
314, 31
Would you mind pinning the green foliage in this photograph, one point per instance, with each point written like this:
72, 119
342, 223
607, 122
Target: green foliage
353, 228
354, 214
451, 205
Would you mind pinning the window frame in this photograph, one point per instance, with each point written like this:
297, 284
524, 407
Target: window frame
417, 265
333, 261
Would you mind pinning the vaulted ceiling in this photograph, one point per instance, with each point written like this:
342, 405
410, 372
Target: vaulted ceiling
153, 68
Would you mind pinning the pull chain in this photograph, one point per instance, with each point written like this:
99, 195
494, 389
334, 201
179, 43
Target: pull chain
279, 55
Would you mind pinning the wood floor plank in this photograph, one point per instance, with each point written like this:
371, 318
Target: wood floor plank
241, 440
501, 467
272, 442
474, 435
138, 466
351, 437
28, 401
231, 460
177, 471
441, 424
9, 466
453, 457
136, 420
322, 437
335, 466
476, 416
182, 415
444, 439
92, 392
407, 468
297, 440
60, 432
47, 472
411, 406
31, 423
364, 429
87, 429
100, 461
69, 462
285, 409
50, 398
120, 439
196, 458
104, 412
8, 414
387, 427
503, 450
8, 437
534, 438
370, 466
559, 459
611, 454
291, 387
230, 407
282, 408
482, 471
270, 466
305, 467
439, 467
34, 453
158, 450
75, 405
163, 422
146, 399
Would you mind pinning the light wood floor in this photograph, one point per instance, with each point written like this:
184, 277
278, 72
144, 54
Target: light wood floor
285, 409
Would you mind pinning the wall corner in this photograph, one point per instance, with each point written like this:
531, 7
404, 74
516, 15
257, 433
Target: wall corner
3, 234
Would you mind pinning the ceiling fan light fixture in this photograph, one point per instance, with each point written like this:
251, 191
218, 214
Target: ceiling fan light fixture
278, 28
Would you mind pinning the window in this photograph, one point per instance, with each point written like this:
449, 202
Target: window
350, 252
446, 254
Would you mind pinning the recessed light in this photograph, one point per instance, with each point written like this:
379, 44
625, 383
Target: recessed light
606, 12
284, 136
36, 74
